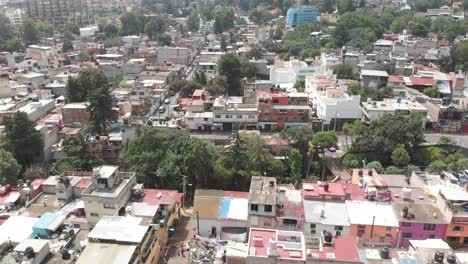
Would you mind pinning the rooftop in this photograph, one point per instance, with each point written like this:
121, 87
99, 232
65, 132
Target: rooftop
234, 209
276, 243
420, 213
16, 229
107, 253
363, 213
374, 73
344, 249
118, 229
262, 190
316, 189
326, 212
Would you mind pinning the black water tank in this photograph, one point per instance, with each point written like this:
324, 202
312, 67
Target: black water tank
29, 252
385, 253
452, 259
325, 187
327, 237
369, 172
66, 255
439, 257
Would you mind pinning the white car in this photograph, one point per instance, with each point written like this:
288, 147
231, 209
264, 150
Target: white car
167, 101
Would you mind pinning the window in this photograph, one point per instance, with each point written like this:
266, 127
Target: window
300, 111
406, 224
217, 116
289, 222
429, 227
239, 116
457, 228
406, 235
268, 208
338, 228
94, 215
205, 119
254, 207
313, 226
283, 111
313, 231
431, 236
388, 228
388, 236
361, 227
275, 101
190, 119
107, 205
251, 116
228, 116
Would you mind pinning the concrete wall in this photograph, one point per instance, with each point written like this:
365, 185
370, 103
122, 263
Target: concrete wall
206, 225
319, 228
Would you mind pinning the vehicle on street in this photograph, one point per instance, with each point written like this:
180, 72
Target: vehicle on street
161, 109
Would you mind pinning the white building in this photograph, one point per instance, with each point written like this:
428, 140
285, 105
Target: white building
231, 112
287, 72
88, 31
110, 192
325, 216
33, 80
36, 110
332, 103
15, 15
131, 41
41, 54
373, 110
175, 55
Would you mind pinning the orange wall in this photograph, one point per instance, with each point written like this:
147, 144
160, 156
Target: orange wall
460, 234
379, 232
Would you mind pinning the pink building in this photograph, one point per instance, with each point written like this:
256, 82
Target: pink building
267, 246
75, 114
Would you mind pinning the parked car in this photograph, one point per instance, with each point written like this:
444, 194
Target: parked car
167, 101
161, 109
332, 149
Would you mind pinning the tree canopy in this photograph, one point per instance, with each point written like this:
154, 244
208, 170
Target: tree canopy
78, 88
9, 167
230, 66
25, 141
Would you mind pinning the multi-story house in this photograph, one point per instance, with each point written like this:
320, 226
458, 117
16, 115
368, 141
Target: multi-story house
325, 216
281, 109
286, 73
175, 55
373, 78
290, 209
109, 192
262, 202
373, 110
372, 223
230, 112
452, 201
81, 12
75, 114
419, 222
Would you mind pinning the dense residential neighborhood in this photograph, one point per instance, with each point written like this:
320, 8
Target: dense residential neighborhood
238, 132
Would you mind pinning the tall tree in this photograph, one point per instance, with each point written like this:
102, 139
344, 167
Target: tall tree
30, 32
6, 30
78, 158
25, 141
400, 156
193, 21
130, 24
100, 108
229, 65
9, 167
87, 80
157, 25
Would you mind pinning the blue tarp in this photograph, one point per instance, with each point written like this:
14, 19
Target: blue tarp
41, 227
223, 213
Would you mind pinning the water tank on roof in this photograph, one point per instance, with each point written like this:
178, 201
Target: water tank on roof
29, 252
385, 253
439, 257
406, 193
452, 259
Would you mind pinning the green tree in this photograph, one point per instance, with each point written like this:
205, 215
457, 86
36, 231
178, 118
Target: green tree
165, 40
299, 138
217, 85
230, 66
327, 6
325, 139
9, 167
30, 32
432, 92
460, 56
130, 24
224, 19
200, 77
394, 170
79, 87
71, 27
13, 44
111, 30
344, 71
398, 25
400, 157
6, 29
444, 140
389, 132
345, 6
67, 46
155, 26
193, 21
375, 165
45, 28
78, 158
102, 23
295, 163
184, 87
355, 89
25, 141
437, 166
248, 69
100, 109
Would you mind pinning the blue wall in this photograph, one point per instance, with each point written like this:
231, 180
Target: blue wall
298, 16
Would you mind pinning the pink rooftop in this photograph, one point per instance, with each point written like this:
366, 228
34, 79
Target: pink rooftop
290, 245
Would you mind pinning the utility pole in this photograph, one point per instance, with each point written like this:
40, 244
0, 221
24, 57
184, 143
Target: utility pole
372, 228
184, 189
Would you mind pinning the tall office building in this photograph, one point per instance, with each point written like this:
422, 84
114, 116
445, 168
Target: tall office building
298, 16
81, 12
